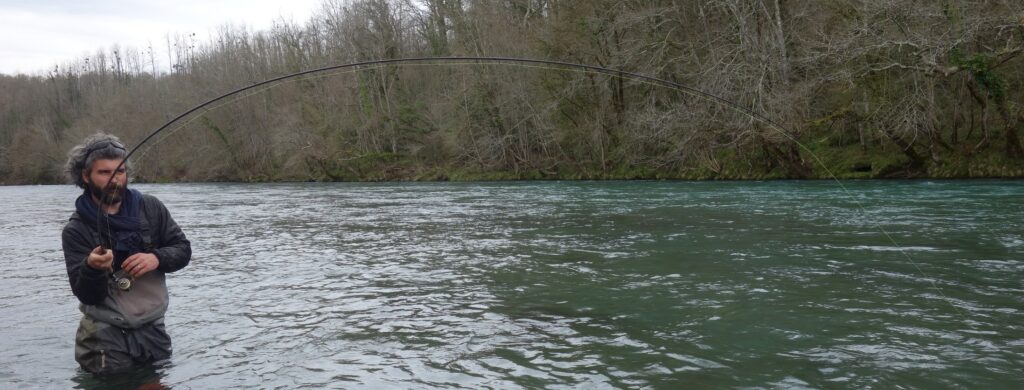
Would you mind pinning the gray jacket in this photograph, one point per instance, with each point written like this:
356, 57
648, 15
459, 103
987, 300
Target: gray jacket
147, 300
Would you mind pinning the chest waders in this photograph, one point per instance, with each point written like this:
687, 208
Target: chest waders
126, 329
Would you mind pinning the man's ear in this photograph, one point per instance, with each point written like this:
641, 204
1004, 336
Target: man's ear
85, 176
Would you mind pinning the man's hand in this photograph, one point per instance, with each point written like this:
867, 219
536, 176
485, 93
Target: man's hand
101, 259
140, 263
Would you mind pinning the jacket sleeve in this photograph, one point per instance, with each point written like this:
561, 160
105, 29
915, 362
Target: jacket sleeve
172, 248
87, 283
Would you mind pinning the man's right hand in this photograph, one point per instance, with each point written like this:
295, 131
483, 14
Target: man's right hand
101, 259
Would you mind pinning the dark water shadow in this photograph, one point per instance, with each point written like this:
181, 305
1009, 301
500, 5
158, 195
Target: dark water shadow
142, 378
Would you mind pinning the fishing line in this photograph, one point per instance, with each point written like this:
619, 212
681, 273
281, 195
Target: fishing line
355, 67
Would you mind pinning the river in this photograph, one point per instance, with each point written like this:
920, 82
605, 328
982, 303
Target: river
889, 284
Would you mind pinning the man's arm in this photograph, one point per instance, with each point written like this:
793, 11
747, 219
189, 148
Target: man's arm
174, 251
87, 283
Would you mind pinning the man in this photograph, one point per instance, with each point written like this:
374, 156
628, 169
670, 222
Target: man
118, 245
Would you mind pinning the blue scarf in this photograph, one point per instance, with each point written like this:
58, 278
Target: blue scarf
124, 229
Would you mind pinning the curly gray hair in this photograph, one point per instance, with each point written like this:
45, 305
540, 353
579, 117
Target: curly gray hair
98, 146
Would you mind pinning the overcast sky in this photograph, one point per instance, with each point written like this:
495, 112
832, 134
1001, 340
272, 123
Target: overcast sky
35, 35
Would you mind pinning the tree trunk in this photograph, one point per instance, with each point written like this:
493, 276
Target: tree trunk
780, 35
907, 148
978, 97
1013, 148
788, 157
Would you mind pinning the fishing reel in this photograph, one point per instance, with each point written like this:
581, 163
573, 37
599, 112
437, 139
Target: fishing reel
123, 280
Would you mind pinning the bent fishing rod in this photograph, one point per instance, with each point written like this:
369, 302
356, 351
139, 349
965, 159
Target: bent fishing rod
450, 61
464, 60
513, 61
474, 60
441, 61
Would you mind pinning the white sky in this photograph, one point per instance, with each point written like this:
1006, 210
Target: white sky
35, 35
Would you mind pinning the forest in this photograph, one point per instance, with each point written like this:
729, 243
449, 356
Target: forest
850, 89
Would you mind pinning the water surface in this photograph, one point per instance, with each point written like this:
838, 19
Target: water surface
555, 285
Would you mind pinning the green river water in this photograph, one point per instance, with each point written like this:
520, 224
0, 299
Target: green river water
554, 285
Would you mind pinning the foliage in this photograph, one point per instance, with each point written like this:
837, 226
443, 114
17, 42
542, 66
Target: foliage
870, 88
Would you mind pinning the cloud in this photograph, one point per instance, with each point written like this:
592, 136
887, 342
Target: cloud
35, 35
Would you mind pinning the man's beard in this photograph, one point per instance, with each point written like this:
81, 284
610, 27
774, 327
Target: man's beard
108, 198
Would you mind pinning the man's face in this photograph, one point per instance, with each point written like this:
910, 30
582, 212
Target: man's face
103, 171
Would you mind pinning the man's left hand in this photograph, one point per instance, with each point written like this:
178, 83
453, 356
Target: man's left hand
140, 263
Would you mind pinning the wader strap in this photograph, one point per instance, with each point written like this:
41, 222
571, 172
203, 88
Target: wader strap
147, 238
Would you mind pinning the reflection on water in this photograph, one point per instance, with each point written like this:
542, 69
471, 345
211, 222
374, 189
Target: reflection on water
593, 285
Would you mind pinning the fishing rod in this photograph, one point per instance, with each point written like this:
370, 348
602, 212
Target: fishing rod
527, 62
449, 60
477, 60
125, 283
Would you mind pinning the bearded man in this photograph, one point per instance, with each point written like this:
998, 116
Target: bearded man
118, 246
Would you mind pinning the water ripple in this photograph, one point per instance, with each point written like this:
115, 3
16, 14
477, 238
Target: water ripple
556, 285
